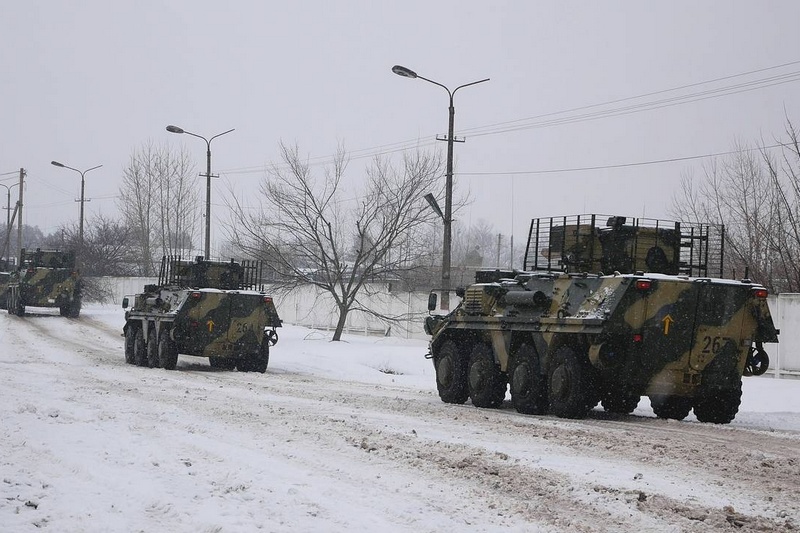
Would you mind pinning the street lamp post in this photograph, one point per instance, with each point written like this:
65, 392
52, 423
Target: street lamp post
83, 187
448, 194
176, 129
8, 217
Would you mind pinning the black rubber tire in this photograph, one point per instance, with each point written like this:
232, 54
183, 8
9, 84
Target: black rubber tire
139, 349
717, 405
130, 334
152, 347
260, 361
620, 402
569, 384
487, 385
672, 407
74, 308
222, 363
243, 364
451, 374
11, 303
528, 385
167, 351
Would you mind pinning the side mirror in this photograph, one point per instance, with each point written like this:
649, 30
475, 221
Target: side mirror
125, 302
432, 298
460, 291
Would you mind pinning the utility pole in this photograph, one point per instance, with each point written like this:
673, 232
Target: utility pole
19, 213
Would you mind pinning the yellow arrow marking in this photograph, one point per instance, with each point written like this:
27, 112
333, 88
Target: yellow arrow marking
210, 325
667, 320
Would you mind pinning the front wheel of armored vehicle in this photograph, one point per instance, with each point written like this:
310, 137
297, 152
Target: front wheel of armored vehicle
667, 406
569, 384
528, 385
152, 348
139, 348
130, 335
718, 405
487, 386
451, 374
620, 402
167, 351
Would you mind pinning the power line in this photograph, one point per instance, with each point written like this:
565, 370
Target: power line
620, 165
519, 124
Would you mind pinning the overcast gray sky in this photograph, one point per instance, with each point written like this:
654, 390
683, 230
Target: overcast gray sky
87, 82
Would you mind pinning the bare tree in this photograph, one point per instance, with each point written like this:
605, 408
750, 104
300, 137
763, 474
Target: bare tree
756, 195
159, 202
106, 252
308, 231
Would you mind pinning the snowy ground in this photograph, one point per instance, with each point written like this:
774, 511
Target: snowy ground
352, 436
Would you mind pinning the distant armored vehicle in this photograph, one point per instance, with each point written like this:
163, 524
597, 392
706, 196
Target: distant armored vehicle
607, 309
202, 308
45, 278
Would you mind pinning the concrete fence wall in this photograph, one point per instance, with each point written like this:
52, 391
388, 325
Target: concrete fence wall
311, 307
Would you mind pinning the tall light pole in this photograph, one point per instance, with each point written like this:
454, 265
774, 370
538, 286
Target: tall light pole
8, 217
176, 129
83, 188
448, 191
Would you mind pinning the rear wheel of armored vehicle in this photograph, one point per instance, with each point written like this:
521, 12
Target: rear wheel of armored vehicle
487, 385
528, 385
152, 348
130, 335
261, 360
222, 363
167, 351
620, 402
451, 374
674, 407
569, 386
71, 309
718, 405
139, 348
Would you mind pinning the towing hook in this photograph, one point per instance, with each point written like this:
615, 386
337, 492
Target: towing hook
757, 361
272, 337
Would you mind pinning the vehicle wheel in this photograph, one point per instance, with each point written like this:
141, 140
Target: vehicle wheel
74, 308
152, 348
451, 374
487, 385
260, 361
674, 407
130, 334
222, 363
569, 384
139, 349
528, 385
17, 306
244, 364
717, 405
620, 402
167, 351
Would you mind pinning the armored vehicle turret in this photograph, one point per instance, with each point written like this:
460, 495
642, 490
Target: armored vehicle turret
202, 308
44, 278
607, 309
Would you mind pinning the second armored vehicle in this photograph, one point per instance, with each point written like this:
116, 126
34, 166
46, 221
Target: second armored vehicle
607, 310
45, 278
202, 308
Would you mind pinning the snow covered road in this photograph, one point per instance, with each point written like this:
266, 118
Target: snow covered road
352, 436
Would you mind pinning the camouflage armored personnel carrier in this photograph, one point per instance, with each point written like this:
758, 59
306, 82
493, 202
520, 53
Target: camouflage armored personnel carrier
607, 309
202, 308
45, 278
